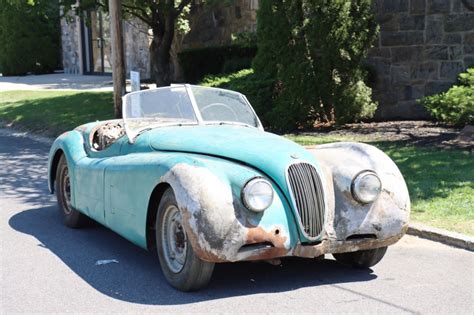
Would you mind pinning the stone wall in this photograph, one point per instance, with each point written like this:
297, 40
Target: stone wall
422, 47
71, 45
214, 27
136, 45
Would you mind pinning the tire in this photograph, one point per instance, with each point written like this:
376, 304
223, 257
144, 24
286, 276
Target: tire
70, 216
183, 269
362, 258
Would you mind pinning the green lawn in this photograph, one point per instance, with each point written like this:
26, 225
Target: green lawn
441, 182
52, 112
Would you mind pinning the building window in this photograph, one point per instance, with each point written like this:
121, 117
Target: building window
238, 13
253, 5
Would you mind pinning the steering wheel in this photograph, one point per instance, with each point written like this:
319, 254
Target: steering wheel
227, 107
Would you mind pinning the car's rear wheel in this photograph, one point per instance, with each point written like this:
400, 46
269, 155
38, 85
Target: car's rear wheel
362, 258
183, 269
71, 217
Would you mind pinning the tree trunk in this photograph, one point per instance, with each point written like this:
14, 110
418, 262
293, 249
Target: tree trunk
160, 49
118, 62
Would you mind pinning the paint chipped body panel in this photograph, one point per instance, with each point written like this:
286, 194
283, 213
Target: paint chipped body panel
207, 167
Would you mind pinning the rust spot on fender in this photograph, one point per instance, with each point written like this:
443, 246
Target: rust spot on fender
274, 236
331, 246
259, 235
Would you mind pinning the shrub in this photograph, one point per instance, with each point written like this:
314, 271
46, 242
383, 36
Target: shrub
29, 37
456, 106
257, 89
313, 50
236, 64
196, 63
244, 39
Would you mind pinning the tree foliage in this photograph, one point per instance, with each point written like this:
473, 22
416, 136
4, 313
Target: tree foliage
29, 37
313, 50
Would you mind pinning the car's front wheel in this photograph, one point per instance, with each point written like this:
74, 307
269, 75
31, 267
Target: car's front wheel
362, 258
183, 269
71, 217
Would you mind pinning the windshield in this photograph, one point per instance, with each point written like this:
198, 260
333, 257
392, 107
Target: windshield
220, 106
184, 105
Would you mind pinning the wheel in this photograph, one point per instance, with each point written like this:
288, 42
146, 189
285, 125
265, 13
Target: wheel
71, 217
183, 269
362, 258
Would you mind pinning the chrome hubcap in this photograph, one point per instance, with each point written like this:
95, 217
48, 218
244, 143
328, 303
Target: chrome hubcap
174, 241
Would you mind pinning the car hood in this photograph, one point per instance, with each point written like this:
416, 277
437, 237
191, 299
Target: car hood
265, 151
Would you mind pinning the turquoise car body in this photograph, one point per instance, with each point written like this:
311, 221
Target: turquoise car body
207, 166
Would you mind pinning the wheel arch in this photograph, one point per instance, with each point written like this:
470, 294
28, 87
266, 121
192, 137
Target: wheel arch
54, 168
153, 203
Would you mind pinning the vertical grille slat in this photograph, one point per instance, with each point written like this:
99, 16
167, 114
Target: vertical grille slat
307, 193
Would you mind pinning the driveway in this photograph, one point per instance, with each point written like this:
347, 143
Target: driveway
57, 81
46, 267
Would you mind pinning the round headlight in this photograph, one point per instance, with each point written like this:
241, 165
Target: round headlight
257, 194
366, 187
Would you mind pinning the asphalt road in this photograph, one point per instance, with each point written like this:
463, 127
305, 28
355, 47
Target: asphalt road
46, 267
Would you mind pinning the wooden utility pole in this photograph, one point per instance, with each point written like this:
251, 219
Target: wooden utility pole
118, 62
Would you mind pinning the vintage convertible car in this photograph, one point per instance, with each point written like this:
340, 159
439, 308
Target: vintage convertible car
189, 172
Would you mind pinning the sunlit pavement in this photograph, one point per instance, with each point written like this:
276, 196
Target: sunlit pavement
57, 81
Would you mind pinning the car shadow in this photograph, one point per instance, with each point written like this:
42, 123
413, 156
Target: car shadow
137, 277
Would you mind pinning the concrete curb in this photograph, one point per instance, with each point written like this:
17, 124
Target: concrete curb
439, 235
416, 229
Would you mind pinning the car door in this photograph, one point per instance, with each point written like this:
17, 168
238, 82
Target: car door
128, 182
89, 172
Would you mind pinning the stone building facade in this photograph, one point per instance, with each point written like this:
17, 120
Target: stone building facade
80, 43
215, 27
86, 45
71, 45
137, 39
422, 47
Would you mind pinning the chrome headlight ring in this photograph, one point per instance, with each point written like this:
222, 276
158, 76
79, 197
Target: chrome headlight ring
257, 194
366, 187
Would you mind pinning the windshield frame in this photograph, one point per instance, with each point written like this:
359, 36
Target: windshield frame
132, 135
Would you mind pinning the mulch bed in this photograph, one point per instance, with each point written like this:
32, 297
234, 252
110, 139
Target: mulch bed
422, 133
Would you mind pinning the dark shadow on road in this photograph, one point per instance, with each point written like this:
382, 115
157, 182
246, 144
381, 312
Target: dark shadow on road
137, 277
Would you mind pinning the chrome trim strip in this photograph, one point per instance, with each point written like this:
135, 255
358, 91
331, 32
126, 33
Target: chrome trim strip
260, 126
194, 103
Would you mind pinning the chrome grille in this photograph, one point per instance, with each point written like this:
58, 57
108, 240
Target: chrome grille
308, 197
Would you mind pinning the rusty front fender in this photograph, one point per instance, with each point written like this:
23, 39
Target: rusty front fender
384, 219
218, 226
